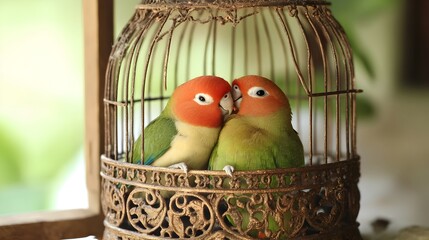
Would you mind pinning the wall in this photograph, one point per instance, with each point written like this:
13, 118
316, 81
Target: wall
393, 143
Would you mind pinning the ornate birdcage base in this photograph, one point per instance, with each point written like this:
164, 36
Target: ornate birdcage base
115, 233
313, 202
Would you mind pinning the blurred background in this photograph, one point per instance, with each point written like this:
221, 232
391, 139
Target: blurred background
42, 121
42, 104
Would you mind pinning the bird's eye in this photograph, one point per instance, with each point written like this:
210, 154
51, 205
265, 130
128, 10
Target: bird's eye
260, 93
257, 92
203, 99
236, 87
226, 96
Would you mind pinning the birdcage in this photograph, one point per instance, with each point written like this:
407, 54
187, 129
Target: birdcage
300, 46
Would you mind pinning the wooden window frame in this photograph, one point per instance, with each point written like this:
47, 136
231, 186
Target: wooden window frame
416, 49
98, 39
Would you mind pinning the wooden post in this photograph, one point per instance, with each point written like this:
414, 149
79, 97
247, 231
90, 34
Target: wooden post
98, 25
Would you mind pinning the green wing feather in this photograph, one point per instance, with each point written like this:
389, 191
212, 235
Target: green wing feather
158, 136
213, 156
290, 152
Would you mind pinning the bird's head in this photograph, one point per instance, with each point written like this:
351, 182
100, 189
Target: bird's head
203, 101
258, 96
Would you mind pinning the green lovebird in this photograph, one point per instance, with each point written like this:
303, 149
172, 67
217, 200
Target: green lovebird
184, 134
260, 136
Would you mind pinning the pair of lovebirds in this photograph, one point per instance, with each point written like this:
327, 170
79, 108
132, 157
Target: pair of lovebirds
198, 130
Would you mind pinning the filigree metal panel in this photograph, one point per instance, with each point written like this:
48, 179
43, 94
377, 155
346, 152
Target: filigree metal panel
277, 204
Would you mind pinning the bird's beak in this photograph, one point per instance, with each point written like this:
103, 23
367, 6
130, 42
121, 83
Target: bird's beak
237, 96
226, 105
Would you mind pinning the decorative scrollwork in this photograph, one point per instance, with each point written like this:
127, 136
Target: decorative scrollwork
275, 204
322, 208
288, 214
274, 216
113, 204
189, 216
146, 210
229, 3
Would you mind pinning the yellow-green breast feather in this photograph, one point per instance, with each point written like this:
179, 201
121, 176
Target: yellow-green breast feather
254, 143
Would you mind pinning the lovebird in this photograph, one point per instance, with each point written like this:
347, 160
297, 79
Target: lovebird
187, 129
259, 136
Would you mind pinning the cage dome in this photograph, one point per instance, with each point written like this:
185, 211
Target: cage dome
297, 44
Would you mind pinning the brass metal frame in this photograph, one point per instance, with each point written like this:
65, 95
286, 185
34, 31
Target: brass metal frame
296, 43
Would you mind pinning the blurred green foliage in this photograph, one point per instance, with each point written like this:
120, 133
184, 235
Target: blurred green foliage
10, 155
351, 12
41, 99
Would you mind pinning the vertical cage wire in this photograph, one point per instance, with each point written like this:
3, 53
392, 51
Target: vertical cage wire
300, 46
